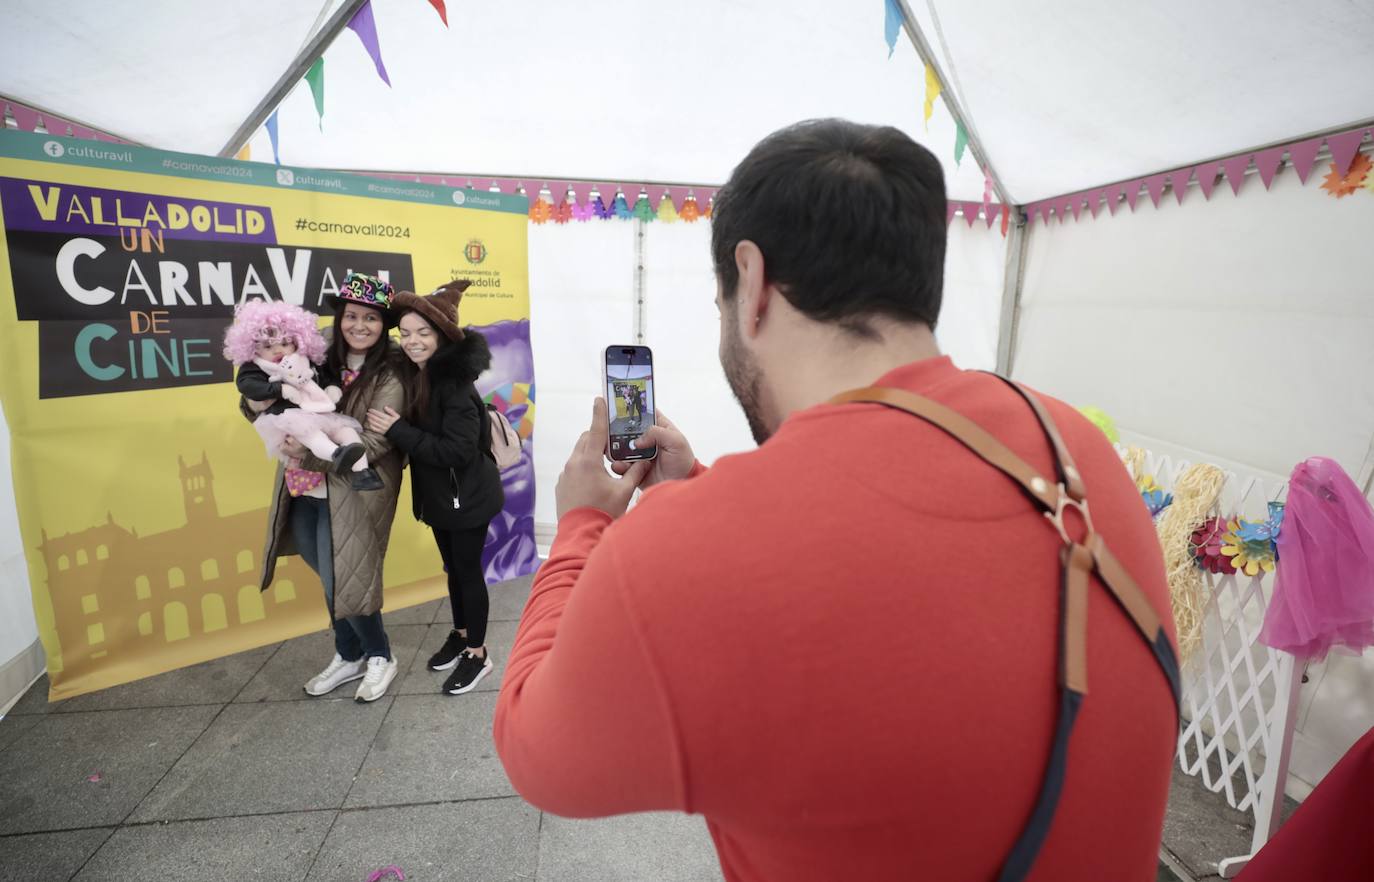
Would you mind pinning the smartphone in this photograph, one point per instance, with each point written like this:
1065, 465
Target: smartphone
630, 402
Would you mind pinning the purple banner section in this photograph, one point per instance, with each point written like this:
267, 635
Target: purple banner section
510, 549
43, 206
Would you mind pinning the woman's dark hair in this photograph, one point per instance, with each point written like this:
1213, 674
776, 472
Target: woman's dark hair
850, 219
374, 364
419, 384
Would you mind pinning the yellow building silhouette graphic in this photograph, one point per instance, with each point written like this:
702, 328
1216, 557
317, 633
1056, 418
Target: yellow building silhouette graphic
114, 592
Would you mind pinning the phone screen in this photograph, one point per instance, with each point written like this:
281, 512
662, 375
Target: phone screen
629, 400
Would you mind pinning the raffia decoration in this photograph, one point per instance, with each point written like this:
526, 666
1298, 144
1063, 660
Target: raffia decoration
1195, 494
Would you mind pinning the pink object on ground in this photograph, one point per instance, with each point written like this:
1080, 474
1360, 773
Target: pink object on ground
1324, 588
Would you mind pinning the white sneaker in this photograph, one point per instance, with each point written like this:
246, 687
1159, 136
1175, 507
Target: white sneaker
338, 673
380, 673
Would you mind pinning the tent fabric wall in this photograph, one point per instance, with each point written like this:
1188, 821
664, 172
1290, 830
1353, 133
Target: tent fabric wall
1234, 331
21, 655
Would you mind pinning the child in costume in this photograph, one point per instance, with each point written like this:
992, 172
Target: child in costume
274, 345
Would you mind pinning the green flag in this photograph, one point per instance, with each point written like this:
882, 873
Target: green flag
960, 142
315, 77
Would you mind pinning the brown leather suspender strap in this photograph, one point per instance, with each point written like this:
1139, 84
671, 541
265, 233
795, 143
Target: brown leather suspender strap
1079, 559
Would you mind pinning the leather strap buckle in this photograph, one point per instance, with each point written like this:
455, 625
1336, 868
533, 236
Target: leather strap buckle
1056, 517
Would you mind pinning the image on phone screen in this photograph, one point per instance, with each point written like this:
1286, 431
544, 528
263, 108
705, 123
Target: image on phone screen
630, 400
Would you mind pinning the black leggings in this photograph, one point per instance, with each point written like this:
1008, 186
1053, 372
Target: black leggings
467, 586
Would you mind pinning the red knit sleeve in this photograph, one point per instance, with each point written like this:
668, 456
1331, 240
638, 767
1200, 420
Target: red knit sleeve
583, 724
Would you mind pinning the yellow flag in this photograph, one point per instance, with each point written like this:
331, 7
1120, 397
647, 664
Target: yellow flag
246, 154
932, 92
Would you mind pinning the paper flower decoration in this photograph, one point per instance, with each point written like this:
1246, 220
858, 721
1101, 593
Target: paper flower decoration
690, 212
710, 205
562, 212
620, 208
1252, 556
1206, 545
667, 211
583, 211
540, 211
1100, 419
599, 208
643, 210
1339, 186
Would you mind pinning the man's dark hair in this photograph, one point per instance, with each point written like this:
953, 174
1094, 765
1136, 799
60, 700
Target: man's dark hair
850, 219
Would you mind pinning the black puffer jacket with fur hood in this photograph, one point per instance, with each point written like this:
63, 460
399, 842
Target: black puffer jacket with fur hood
454, 482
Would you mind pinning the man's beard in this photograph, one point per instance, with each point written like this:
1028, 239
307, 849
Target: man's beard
741, 372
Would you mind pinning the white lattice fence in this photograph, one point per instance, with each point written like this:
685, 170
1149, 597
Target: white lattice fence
1239, 696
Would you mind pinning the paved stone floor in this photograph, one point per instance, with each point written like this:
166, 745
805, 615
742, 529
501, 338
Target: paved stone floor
229, 771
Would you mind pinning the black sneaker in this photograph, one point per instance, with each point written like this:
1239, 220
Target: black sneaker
344, 457
468, 674
447, 656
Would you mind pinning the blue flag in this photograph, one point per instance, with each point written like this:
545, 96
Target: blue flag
892, 25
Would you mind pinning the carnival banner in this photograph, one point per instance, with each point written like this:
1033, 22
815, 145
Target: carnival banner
142, 492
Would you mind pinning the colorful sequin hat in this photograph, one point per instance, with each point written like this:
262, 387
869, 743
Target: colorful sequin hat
439, 308
365, 290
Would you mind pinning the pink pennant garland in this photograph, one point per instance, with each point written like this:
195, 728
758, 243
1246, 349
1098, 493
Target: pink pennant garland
1132, 191
970, 213
1303, 155
1268, 162
1235, 171
1206, 178
1113, 198
1154, 185
990, 213
1077, 207
950, 208
1095, 203
1343, 149
26, 118
1178, 182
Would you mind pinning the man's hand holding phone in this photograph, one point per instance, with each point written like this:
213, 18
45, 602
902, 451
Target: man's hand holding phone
585, 483
675, 458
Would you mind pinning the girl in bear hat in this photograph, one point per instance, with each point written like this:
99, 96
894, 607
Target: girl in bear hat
274, 346
454, 481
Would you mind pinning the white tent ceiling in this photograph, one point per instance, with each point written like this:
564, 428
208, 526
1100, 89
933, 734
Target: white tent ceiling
1064, 96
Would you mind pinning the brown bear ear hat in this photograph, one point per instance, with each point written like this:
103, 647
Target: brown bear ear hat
439, 308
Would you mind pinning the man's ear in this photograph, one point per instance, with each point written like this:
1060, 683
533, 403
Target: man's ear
754, 294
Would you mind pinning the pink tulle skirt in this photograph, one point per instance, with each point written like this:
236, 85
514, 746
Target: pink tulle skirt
274, 427
1324, 583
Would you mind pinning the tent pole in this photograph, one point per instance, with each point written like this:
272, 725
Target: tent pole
308, 55
639, 281
1018, 241
975, 145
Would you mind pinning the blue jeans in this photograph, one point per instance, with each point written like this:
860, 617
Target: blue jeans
354, 636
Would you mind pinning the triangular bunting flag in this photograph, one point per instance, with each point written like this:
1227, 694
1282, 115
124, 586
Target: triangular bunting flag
271, 126
1132, 191
1154, 185
1065, 209
1178, 182
950, 208
1113, 197
960, 142
244, 155
970, 213
443, 13
1235, 171
892, 24
932, 92
1077, 207
1343, 149
1206, 177
1302, 155
1268, 162
990, 214
1095, 203
315, 77
365, 26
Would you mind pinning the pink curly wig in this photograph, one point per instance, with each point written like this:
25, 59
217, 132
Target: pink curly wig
255, 319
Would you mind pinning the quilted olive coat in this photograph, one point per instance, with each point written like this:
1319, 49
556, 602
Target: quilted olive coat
360, 521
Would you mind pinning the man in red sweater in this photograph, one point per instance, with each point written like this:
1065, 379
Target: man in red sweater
841, 648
